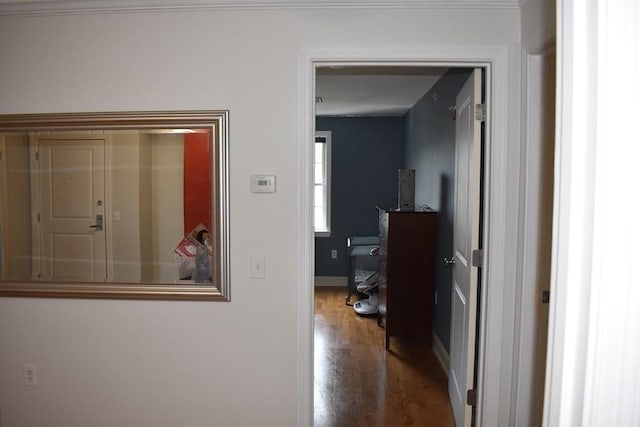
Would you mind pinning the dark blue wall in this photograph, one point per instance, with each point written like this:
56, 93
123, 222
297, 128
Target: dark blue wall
430, 150
366, 155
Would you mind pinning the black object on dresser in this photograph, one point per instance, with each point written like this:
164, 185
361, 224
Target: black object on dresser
406, 272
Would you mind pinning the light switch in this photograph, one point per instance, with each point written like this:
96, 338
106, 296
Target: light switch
257, 267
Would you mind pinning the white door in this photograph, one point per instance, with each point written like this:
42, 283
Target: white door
70, 178
466, 231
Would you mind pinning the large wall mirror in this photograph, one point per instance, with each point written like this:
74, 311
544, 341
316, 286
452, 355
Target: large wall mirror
115, 205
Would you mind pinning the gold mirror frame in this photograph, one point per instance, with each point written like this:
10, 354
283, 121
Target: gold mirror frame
218, 122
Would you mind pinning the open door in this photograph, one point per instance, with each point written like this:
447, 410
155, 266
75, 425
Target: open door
69, 174
466, 237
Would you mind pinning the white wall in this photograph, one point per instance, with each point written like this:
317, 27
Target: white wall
593, 375
538, 24
167, 197
538, 100
193, 363
124, 172
16, 223
145, 212
537, 204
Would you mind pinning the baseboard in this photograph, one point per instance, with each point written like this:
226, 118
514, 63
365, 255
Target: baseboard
441, 353
330, 281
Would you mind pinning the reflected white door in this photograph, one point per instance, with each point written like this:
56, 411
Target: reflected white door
465, 239
71, 189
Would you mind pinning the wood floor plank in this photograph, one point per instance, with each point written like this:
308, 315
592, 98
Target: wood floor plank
358, 383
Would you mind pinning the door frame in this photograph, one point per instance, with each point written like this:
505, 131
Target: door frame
535, 221
501, 194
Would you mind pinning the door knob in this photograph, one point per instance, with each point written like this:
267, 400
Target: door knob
449, 261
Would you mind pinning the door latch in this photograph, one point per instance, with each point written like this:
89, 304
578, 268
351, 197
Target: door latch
98, 225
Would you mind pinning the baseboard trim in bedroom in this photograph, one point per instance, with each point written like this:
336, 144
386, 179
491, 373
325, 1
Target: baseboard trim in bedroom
330, 281
441, 353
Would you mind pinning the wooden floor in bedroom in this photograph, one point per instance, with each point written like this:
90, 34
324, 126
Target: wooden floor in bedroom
358, 383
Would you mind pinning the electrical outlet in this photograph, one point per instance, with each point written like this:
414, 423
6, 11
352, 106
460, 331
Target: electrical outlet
334, 254
29, 375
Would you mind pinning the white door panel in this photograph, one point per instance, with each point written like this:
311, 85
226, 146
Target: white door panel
71, 191
457, 360
466, 239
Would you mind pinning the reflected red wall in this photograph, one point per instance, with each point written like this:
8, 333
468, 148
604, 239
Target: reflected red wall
197, 180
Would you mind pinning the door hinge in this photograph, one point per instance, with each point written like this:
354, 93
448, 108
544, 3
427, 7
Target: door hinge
477, 258
545, 297
38, 217
471, 397
37, 155
481, 112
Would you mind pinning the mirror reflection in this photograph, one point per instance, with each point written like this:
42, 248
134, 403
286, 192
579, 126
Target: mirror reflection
110, 205
104, 206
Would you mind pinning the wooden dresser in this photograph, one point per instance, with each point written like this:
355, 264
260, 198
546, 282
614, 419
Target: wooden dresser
406, 272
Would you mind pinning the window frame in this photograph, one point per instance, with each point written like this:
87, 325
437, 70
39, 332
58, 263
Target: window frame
326, 231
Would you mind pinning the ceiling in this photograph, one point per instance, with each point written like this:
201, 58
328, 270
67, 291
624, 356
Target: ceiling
372, 91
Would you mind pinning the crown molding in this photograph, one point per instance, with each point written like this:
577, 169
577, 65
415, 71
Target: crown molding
73, 7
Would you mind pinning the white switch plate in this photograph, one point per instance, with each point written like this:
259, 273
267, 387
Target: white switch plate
257, 267
263, 183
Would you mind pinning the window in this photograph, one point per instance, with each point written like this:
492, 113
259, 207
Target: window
322, 184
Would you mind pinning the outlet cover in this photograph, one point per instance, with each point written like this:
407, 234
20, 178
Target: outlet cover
29, 375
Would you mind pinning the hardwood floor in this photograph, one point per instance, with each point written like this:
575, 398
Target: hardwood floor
358, 383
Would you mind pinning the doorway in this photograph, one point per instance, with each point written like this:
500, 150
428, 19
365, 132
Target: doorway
371, 141
496, 304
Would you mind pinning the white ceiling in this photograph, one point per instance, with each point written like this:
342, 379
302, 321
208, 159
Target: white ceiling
372, 91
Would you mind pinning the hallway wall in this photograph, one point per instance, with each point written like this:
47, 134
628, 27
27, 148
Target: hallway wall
366, 155
430, 150
120, 362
